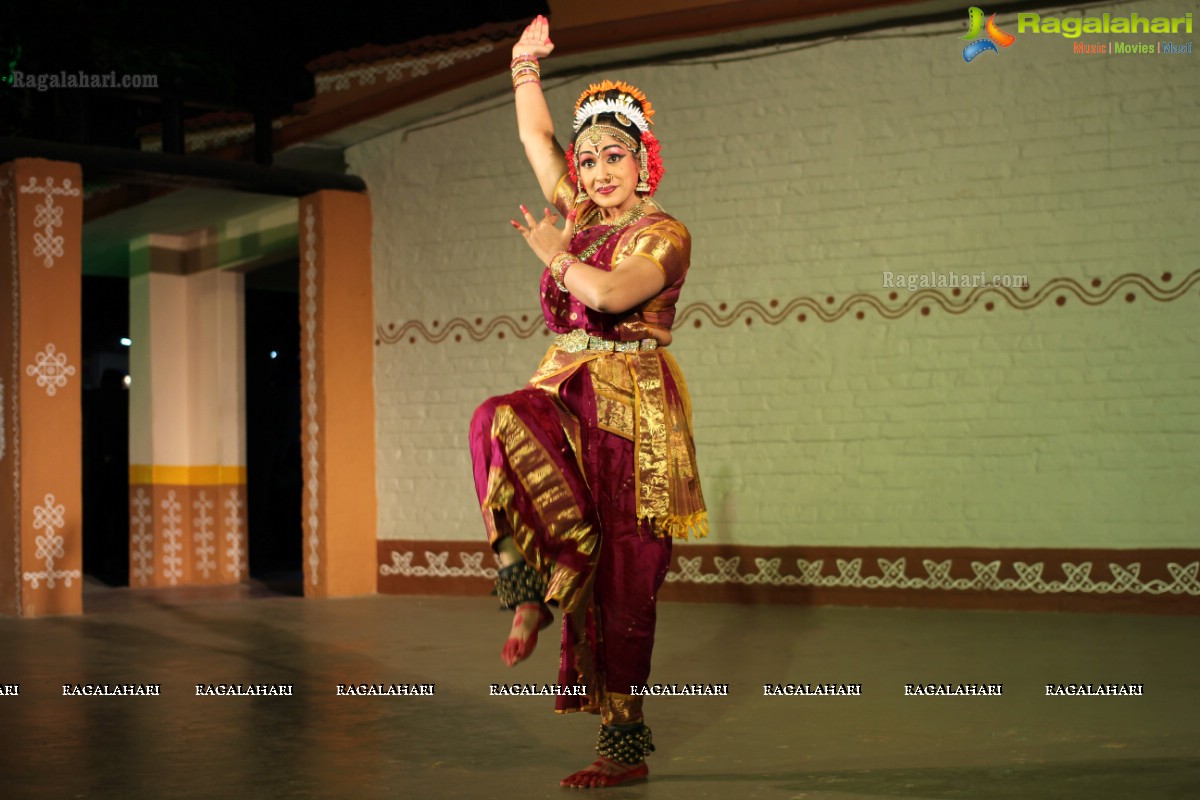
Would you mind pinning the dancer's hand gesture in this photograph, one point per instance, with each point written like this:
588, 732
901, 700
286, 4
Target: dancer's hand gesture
535, 41
543, 236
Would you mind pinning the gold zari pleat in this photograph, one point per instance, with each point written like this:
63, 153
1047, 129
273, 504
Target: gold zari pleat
666, 478
556, 507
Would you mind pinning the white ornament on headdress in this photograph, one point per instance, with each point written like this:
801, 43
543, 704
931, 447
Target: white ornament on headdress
623, 105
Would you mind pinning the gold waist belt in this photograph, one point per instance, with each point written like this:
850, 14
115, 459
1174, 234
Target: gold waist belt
579, 339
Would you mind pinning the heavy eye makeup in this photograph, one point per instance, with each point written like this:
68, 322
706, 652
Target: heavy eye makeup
613, 155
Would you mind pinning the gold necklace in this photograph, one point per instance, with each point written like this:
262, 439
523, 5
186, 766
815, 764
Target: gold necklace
629, 216
624, 221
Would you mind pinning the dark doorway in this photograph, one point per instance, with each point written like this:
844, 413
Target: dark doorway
105, 409
274, 482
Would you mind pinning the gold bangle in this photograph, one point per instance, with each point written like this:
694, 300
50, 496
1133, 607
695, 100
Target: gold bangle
524, 57
559, 265
525, 81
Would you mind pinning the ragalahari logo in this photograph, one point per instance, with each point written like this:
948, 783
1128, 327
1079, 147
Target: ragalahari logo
994, 36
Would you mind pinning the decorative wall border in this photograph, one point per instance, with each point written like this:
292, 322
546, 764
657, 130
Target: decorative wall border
892, 306
312, 463
1144, 580
8, 191
894, 574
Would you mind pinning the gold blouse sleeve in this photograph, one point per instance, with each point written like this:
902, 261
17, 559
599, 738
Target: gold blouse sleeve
564, 195
668, 244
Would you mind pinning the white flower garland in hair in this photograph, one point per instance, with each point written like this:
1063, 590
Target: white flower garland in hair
622, 106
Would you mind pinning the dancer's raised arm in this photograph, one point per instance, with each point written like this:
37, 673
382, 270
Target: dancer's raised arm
533, 117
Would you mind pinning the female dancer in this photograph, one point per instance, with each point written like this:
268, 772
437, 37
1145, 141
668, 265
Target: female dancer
586, 474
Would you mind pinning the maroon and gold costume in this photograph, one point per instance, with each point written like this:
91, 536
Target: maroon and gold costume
591, 468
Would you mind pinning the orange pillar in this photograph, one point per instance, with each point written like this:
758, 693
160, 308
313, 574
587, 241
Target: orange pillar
41, 515
337, 391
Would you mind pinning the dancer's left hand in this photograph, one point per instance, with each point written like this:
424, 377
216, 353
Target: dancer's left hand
543, 236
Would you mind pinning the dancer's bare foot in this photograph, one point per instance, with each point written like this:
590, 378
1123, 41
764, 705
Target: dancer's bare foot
606, 772
528, 619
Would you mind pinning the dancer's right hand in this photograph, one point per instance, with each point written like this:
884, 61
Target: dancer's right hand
535, 41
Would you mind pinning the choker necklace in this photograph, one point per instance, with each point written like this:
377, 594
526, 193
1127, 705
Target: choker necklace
632, 215
629, 216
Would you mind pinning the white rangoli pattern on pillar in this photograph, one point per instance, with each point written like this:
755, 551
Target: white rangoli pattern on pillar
47, 243
312, 464
49, 517
172, 534
235, 552
51, 369
142, 537
204, 535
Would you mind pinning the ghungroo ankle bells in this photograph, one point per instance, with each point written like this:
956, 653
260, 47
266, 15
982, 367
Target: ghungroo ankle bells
519, 583
627, 744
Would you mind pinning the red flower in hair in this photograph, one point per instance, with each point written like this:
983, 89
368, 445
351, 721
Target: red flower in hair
571, 164
654, 162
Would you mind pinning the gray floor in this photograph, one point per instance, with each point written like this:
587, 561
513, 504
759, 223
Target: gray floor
462, 743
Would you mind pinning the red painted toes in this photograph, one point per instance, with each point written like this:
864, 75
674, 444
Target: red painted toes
604, 773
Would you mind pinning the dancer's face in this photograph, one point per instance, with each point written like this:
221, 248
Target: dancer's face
609, 174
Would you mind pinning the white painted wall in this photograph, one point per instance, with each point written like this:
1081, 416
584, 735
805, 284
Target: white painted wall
808, 174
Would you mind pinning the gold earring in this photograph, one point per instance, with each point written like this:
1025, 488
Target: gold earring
643, 171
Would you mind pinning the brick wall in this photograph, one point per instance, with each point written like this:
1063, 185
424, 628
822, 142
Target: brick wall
1066, 416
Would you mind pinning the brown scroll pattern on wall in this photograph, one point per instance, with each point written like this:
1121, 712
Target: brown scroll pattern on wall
827, 308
